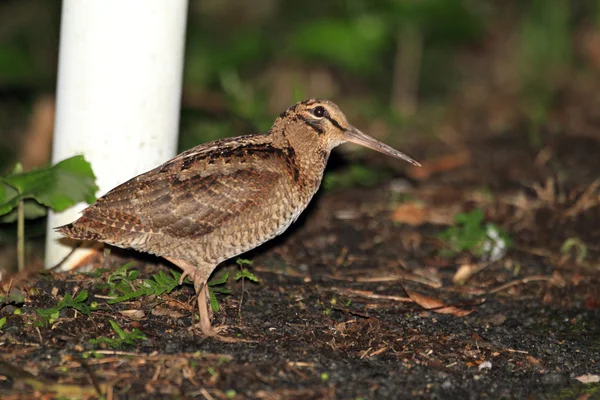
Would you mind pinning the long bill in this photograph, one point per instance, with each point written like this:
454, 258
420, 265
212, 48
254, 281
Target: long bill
353, 135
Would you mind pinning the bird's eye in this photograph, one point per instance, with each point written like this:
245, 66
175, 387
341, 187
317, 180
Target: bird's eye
320, 112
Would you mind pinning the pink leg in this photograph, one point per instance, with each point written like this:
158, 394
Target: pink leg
201, 288
201, 291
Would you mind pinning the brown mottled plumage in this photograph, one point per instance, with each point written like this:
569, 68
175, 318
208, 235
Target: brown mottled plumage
223, 198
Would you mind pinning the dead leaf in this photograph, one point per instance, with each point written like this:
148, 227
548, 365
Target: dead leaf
133, 314
533, 361
435, 305
414, 213
410, 213
588, 378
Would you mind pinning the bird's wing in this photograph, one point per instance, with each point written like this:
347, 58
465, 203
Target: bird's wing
183, 199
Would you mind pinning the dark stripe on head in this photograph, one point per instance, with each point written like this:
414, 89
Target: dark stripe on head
311, 123
308, 102
335, 123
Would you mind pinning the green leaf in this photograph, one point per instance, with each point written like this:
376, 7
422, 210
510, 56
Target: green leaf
7, 193
58, 187
123, 288
214, 303
68, 301
120, 332
221, 290
82, 296
471, 234
219, 281
244, 273
2, 322
123, 336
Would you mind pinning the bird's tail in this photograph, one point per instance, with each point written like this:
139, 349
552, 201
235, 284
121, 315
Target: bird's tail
78, 230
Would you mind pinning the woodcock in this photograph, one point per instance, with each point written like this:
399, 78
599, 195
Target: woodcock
223, 198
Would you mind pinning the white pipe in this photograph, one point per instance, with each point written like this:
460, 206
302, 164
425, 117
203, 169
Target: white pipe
118, 94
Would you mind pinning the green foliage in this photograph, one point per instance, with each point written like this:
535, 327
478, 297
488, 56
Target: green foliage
122, 339
244, 100
13, 297
349, 44
243, 272
123, 286
68, 301
243, 261
471, 233
213, 287
2, 322
205, 59
356, 175
58, 187
544, 56
94, 354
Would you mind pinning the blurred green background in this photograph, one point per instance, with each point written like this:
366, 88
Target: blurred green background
427, 73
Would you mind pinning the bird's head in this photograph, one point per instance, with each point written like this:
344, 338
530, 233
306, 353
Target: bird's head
321, 123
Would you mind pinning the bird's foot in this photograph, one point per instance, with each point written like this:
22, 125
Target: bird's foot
205, 325
203, 301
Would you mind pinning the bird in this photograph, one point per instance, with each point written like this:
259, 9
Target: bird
223, 198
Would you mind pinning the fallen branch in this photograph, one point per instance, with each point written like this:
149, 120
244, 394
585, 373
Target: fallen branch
534, 278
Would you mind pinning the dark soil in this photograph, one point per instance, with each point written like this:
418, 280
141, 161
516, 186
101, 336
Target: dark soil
332, 316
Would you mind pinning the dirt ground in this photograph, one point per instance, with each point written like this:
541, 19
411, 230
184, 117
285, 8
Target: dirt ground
351, 301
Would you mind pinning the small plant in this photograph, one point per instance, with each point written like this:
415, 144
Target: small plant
471, 233
123, 286
78, 303
122, 339
213, 287
242, 274
29, 194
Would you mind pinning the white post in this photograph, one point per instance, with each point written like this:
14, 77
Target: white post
118, 94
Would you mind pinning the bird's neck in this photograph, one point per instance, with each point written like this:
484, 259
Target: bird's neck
310, 159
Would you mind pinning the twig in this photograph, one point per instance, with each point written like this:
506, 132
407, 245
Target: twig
206, 395
400, 277
534, 278
370, 295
